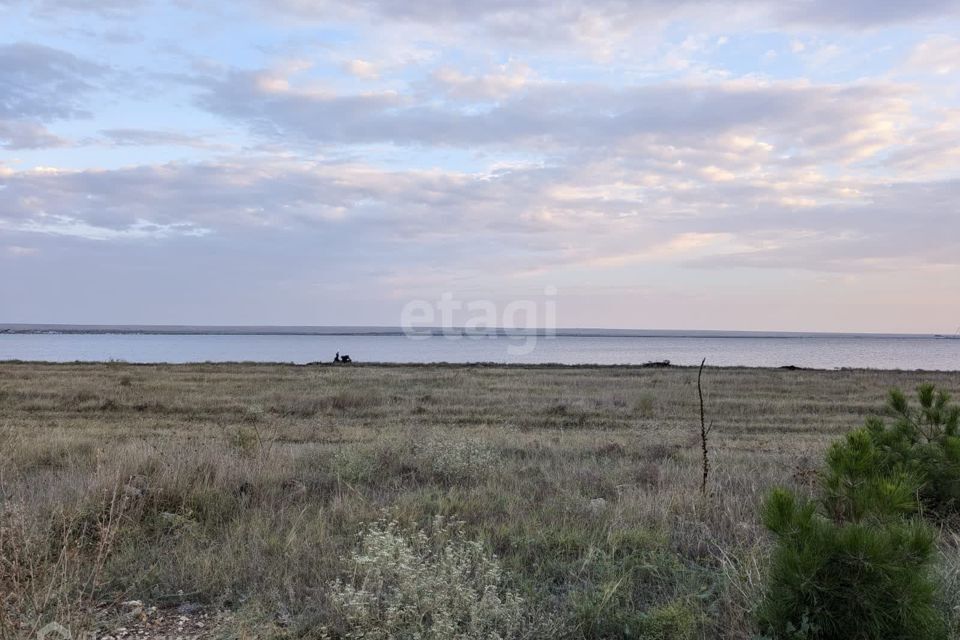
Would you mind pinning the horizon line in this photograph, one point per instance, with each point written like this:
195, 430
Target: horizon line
439, 331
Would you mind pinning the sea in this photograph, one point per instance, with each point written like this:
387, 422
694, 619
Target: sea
301, 345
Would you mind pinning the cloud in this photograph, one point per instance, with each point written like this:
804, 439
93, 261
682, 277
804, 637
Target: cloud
939, 55
540, 19
601, 25
896, 226
43, 83
252, 193
150, 137
16, 251
505, 80
24, 134
301, 237
861, 13
598, 216
54, 9
853, 121
362, 69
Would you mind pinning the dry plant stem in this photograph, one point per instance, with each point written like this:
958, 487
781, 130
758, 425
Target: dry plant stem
704, 431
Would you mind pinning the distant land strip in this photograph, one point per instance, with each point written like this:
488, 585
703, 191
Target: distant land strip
239, 330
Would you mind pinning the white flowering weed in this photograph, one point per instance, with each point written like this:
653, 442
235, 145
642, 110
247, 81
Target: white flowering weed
436, 586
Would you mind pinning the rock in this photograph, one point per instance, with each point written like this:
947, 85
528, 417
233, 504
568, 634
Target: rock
598, 504
133, 610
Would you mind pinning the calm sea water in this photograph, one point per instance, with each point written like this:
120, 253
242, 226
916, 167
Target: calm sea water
816, 351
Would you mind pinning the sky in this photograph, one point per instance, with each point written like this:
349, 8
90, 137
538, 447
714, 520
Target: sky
661, 164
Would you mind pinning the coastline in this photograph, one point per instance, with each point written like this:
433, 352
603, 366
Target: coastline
468, 365
387, 331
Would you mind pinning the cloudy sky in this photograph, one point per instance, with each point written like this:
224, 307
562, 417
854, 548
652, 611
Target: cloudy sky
750, 164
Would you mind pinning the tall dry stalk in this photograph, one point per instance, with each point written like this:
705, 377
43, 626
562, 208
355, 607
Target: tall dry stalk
704, 431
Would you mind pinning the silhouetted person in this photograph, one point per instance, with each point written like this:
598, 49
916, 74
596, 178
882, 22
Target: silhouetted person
336, 358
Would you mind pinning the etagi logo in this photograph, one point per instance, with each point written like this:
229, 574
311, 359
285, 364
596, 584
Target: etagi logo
522, 322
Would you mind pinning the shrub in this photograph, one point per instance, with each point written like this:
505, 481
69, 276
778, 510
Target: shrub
463, 459
921, 448
858, 484
431, 586
858, 563
858, 579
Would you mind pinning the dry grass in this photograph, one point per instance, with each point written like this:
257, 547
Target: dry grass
245, 486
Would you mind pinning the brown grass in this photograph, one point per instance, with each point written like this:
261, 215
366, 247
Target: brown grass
243, 487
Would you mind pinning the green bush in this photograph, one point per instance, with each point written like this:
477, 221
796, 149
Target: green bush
862, 579
859, 484
921, 448
857, 563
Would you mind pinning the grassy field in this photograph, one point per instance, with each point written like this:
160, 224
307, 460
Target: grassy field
245, 490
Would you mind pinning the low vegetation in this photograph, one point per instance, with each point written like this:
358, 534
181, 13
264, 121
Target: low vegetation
514, 502
434, 585
919, 450
857, 562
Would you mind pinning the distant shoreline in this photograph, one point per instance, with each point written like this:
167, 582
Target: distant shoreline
533, 366
225, 330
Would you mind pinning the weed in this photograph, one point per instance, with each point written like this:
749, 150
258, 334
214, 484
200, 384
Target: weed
434, 585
